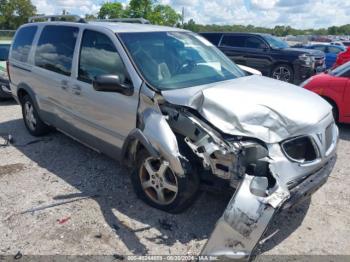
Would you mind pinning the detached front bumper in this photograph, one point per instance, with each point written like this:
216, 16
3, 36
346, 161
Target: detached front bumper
247, 215
310, 185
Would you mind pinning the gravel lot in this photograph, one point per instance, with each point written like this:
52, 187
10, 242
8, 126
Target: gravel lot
102, 216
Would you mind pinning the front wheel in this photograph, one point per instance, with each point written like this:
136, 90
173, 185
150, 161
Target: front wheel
283, 72
156, 184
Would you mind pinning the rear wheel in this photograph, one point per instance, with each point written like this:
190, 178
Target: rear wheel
283, 72
32, 121
159, 186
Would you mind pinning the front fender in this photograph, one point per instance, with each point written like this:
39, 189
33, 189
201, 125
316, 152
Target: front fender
158, 139
158, 132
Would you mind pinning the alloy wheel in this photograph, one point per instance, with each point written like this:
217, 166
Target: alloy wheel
29, 115
158, 181
282, 73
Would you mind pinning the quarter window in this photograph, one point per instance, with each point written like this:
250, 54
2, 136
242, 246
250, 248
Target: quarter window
22, 43
56, 48
98, 56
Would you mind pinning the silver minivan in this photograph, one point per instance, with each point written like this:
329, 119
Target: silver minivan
178, 113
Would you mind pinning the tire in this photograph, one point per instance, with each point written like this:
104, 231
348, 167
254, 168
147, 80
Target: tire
32, 121
283, 72
150, 183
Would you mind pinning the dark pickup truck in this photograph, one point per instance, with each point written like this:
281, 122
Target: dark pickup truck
270, 55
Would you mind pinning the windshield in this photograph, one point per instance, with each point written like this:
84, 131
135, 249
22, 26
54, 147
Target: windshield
340, 69
4, 52
171, 60
275, 42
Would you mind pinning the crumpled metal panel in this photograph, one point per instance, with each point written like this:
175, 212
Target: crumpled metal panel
244, 221
254, 106
158, 132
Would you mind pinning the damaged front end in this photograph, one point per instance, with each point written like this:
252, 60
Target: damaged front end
267, 174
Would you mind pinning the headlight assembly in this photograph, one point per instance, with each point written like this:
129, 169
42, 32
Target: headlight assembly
300, 149
308, 60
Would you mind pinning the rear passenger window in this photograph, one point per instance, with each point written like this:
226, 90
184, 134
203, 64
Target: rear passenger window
56, 48
22, 43
213, 38
233, 41
98, 56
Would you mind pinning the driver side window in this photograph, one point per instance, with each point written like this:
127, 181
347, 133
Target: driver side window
253, 42
99, 56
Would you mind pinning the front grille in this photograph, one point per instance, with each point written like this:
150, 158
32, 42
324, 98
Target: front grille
329, 136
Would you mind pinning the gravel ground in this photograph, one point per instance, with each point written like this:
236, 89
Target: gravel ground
102, 216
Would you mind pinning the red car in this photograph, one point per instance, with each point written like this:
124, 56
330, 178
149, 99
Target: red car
334, 86
342, 58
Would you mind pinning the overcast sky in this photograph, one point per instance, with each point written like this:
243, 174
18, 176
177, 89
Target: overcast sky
297, 13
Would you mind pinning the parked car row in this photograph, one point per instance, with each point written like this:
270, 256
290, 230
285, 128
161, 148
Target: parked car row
270, 55
334, 86
336, 55
331, 51
258, 54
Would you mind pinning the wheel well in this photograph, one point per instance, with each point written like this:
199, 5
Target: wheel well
21, 93
129, 156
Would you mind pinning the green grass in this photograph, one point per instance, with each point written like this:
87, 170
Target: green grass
5, 37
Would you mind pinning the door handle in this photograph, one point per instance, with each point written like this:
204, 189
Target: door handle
76, 89
64, 84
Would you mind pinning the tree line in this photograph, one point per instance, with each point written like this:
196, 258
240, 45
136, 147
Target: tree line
14, 13
278, 30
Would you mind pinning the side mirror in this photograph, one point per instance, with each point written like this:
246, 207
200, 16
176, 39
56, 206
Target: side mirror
265, 48
111, 83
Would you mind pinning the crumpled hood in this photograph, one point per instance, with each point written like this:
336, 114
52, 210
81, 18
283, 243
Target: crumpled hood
255, 106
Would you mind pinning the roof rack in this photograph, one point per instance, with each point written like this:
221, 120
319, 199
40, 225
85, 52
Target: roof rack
51, 18
126, 20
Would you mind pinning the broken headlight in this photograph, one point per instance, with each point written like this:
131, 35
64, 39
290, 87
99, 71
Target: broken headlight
300, 149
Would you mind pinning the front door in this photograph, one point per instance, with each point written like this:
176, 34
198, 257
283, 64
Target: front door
256, 54
103, 119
